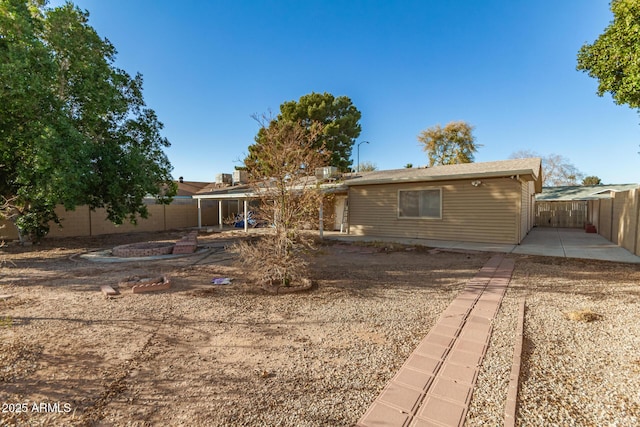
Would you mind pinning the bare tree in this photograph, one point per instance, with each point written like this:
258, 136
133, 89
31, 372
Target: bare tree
283, 179
557, 170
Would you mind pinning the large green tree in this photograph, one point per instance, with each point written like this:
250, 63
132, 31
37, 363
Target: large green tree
591, 180
454, 143
337, 116
614, 57
74, 129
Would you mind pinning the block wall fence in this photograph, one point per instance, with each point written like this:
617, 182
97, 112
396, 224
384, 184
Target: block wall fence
84, 222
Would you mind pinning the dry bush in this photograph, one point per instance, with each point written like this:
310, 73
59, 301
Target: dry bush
272, 260
282, 177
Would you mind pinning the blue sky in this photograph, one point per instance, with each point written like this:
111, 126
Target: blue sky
506, 67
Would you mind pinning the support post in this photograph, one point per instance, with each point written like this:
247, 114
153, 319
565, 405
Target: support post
220, 214
246, 223
321, 221
199, 214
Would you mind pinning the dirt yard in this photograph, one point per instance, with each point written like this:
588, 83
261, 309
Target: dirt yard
201, 354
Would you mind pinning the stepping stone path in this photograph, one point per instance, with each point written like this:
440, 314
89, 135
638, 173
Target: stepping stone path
434, 386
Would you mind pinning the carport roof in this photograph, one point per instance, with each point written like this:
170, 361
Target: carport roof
582, 192
248, 192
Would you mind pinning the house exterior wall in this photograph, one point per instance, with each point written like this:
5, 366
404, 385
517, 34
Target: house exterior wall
526, 208
532, 205
489, 213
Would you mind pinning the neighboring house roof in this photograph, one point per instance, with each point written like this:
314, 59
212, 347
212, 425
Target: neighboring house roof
189, 188
582, 192
529, 169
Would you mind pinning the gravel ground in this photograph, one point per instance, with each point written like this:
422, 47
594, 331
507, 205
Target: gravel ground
573, 373
203, 355
490, 393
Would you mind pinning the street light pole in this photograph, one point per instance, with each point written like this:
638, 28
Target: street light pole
359, 153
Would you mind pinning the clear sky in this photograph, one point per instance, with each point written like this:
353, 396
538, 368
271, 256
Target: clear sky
506, 67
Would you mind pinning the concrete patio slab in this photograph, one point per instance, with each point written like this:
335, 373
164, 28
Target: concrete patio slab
558, 242
573, 243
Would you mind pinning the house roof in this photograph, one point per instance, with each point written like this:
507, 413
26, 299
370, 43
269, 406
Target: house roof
529, 169
582, 192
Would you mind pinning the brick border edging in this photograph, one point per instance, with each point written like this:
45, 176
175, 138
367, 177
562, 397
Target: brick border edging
152, 286
511, 405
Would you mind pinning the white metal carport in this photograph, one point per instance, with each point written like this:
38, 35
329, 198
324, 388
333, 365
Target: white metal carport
244, 197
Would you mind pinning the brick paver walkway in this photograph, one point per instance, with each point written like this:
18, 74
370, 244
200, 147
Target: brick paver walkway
434, 386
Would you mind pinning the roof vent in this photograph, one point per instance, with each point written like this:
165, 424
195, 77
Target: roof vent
327, 173
224, 178
240, 177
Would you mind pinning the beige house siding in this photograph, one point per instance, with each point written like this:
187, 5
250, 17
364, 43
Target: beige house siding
488, 213
532, 205
527, 208
523, 211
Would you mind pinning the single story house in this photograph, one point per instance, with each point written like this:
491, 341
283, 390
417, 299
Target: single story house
489, 202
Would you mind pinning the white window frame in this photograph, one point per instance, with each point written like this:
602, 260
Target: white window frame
439, 189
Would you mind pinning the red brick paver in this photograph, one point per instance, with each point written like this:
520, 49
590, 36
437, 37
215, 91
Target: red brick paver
108, 290
434, 386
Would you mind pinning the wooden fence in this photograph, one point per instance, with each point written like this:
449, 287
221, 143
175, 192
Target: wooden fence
571, 214
618, 219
